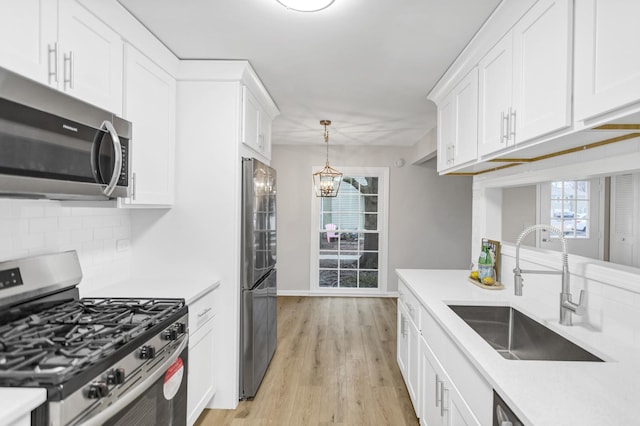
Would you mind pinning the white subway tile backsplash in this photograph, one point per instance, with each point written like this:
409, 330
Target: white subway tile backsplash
81, 235
29, 227
42, 224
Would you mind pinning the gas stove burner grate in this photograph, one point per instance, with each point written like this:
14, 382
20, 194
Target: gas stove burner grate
51, 345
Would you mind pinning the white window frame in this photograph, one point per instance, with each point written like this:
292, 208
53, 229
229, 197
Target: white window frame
382, 173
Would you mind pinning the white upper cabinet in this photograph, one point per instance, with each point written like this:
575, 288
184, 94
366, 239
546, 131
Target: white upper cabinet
542, 70
607, 64
496, 88
150, 104
256, 124
28, 38
91, 57
525, 89
457, 124
62, 44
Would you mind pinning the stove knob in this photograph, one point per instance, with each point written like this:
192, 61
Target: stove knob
170, 334
147, 352
180, 327
116, 376
98, 390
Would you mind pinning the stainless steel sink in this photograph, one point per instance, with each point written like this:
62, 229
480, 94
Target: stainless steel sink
516, 336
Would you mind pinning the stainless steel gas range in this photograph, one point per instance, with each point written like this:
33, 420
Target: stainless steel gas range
101, 360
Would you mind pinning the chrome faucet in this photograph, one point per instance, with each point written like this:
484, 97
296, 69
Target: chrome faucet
566, 305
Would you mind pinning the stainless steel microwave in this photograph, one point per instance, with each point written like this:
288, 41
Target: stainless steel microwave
58, 147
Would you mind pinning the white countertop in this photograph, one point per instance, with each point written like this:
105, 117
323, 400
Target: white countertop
539, 392
18, 402
190, 290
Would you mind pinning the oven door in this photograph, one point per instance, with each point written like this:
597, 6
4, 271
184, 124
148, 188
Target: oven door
159, 400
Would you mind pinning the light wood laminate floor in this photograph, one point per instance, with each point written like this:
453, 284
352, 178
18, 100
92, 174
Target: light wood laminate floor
335, 364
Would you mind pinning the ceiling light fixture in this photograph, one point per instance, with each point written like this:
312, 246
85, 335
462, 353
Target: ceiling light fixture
306, 5
327, 181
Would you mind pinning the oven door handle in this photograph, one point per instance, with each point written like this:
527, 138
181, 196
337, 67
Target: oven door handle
138, 390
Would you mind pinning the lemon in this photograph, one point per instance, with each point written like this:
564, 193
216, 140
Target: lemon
488, 281
474, 275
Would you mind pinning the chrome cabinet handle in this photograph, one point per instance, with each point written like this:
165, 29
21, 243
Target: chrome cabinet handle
133, 186
437, 389
117, 167
68, 77
512, 125
53, 51
204, 312
504, 126
442, 391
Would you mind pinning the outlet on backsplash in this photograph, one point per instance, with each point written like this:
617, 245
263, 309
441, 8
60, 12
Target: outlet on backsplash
123, 244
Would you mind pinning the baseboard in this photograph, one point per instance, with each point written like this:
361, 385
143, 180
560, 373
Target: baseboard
334, 294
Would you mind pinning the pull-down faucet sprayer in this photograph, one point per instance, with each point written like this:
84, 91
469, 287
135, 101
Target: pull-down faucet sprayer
566, 305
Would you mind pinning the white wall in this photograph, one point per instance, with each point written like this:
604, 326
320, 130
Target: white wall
429, 215
31, 227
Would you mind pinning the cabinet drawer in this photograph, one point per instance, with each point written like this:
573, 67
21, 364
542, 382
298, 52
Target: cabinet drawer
201, 310
410, 302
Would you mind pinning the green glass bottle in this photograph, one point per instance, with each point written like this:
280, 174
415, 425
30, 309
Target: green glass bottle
485, 261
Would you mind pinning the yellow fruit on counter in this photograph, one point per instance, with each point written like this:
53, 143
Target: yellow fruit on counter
474, 275
488, 281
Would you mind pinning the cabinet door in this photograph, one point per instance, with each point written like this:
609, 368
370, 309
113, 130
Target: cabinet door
403, 341
201, 383
251, 120
496, 81
446, 132
466, 99
429, 388
607, 66
90, 57
413, 369
150, 98
541, 70
28, 36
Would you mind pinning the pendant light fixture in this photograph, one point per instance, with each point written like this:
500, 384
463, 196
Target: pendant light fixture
306, 5
327, 181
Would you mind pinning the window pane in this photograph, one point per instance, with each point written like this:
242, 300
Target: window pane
371, 203
569, 209
349, 260
372, 185
328, 241
369, 279
328, 260
348, 278
582, 209
369, 260
370, 222
369, 242
556, 208
328, 278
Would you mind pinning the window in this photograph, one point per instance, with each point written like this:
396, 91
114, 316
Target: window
570, 200
348, 252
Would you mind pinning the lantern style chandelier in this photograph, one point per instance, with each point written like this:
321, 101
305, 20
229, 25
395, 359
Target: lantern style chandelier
327, 181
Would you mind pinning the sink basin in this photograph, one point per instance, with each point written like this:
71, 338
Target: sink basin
516, 336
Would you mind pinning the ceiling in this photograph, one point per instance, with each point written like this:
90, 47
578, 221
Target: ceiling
367, 65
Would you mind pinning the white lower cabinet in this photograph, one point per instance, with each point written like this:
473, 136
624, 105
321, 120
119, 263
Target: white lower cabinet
444, 386
409, 346
201, 385
440, 401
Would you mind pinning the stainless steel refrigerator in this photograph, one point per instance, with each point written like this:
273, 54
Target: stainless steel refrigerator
258, 303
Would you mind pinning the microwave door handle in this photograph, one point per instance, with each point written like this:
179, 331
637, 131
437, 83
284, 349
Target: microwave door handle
138, 389
117, 167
